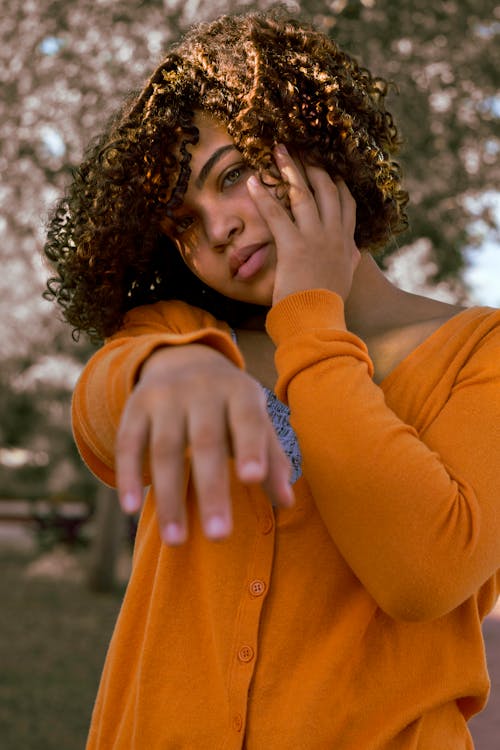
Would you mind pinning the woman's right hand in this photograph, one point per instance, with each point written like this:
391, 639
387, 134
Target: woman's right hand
313, 231
193, 397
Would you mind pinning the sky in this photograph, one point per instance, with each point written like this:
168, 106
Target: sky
483, 275
412, 266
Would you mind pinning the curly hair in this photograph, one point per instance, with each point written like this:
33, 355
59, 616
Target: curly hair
269, 78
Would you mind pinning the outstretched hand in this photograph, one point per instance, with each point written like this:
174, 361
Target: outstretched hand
193, 397
313, 230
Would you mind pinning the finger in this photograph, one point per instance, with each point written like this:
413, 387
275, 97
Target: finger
327, 196
248, 424
277, 483
131, 441
336, 206
280, 222
348, 210
348, 206
167, 459
207, 432
302, 200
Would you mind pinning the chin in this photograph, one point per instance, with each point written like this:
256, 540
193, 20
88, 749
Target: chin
258, 293
263, 300
262, 294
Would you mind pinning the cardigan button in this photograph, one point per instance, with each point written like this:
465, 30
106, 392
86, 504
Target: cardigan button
257, 587
238, 722
246, 654
267, 524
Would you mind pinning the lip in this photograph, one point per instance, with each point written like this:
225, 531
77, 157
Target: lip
239, 256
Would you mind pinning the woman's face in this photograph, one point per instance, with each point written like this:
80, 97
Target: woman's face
218, 229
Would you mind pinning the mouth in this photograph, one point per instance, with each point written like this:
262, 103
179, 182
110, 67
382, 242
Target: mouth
247, 261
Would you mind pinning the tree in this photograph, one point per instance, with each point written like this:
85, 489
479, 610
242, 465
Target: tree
444, 58
66, 64
79, 59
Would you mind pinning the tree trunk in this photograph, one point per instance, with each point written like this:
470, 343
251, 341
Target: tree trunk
109, 538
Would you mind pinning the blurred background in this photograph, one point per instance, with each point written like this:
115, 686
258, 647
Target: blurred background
65, 65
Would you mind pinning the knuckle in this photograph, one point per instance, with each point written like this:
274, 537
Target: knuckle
165, 445
251, 391
150, 395
253, 414
254, 428
249, 413
204, 438
126, 442
274, 209
211, 500
300, 195
168, 513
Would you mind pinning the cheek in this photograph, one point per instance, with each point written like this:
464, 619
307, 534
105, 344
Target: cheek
189, 251
198, 261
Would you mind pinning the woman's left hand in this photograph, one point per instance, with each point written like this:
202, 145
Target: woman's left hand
314, 235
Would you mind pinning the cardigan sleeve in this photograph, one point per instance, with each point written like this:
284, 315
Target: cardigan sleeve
110, 375
415, 516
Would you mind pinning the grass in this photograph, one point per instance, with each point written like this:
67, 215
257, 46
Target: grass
53, 639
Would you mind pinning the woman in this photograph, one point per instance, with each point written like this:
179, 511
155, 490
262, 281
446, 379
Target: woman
343, 611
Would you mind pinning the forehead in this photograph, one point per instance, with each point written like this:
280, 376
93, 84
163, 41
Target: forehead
213, 135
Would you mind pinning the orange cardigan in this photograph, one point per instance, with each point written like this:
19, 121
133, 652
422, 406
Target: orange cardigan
352, 620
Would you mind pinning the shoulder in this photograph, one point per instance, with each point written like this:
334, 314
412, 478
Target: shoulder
477, 333
464, 347
438, 328
473, 327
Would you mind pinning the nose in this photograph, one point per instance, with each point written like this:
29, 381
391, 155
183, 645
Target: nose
222, 227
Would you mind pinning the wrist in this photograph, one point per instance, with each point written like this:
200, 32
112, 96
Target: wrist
303, 311
177, 357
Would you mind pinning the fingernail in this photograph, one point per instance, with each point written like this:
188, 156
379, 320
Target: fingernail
281, 149
253, 182
130, 503
173, 533
216, 527
251, 471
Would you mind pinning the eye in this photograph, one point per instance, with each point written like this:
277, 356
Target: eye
183, 224
232, 176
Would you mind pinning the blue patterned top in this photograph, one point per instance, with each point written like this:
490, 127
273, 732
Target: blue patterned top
280, 417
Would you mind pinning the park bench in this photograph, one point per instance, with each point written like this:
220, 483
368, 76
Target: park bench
60, 514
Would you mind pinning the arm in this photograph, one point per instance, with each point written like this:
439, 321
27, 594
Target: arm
139, 385
415, 514
170, 381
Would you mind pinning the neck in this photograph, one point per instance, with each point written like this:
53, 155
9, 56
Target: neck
375, 305
372, 300
390, 320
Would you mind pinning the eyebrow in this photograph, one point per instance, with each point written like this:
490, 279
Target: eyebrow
211, 162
